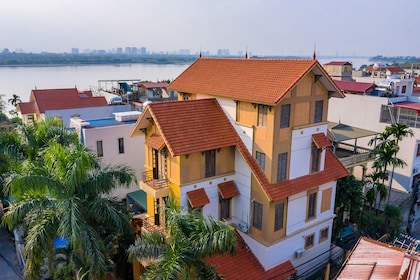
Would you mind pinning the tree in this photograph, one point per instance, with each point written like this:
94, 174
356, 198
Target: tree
181, 253
65, 193
14, 100
349, 197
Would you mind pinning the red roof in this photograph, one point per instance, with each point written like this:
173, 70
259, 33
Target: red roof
373, 260
256, 80
198, 198
228, 189
321, 141
244, 265
155, 141
408, 105
339, 63
154, 85
356, 87
60, 99
394, 69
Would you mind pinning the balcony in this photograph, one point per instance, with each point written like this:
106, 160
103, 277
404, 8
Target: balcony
157, 188
351, 155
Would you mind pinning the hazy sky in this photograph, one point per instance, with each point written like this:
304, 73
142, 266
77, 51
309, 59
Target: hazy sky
263, 27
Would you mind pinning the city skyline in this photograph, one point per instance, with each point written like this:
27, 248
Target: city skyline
271, 27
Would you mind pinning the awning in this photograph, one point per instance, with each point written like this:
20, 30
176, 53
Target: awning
139, 199
198, 198
155, 141
228, 189
321, 141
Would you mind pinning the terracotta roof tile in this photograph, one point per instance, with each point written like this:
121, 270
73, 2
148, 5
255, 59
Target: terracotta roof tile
155, 141
244, 265
185, 125
27, 108
356, 87
321, 141
228, 189
65, 98
373, 260
259, 80
198, 198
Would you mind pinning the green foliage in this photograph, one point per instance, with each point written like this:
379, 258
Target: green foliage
181, 253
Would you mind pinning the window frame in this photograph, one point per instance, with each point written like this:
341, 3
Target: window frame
260, 157
315, 159
99, 148
311, 205
210, 163
321, 237
121, 148
282, 167
257, 215
225, 207
279, 221
262, 115
311, 239
285, 115
319, 111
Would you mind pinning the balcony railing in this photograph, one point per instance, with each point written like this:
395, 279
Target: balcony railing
351, 155
154, 187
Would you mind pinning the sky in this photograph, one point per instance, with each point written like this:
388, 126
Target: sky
260, 27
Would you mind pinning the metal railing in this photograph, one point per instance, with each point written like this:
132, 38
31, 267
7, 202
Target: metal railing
147, 177
353, 155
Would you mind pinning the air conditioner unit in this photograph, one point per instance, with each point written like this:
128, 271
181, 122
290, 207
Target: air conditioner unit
299, 253
243, 226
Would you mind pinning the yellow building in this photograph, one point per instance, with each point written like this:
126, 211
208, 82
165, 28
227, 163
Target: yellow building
246, 143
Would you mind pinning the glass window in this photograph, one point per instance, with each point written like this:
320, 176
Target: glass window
99, 149
316, 155
285, 116
210, 163
319, 107
261, 159
257, 215
224, 208
309, 241
311, 211
262, 115
121, 145
323, 234
282, 167
418, 150
279, 216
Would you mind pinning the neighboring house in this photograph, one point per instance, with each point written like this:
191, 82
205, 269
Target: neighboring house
249, 147
339, 70
65, 103
158, 90
355, 87
372, 259
372, 112
109, 139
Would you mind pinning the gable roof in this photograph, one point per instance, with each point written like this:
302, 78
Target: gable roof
357, 87
42, 100
338, 63
264, 81
190, 126
244, 265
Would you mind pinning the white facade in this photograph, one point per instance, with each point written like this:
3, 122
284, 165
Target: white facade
110, 132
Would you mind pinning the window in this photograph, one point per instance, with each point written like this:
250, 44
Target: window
121, 145
279, 216
309, 241
315, 155
238, 116
282, 167
262, 115
404, 88
99, 149
198, 210
185, 96
418, 150
311, 210
323, 234
285, 116
257, 215
210, 163
319, 107
326, 200
224, 208
261, 160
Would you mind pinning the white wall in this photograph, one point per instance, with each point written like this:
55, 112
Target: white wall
133, 155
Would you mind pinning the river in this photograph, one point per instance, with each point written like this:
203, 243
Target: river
21, 80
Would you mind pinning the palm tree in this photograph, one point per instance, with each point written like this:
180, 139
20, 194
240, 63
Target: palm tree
181, 253
14, 100
66, 194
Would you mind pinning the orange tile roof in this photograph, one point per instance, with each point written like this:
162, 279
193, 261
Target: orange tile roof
192, 126
155, 141
228, 189
27, 108
373, 260
244, 265
258, 80
321, 141
59, 99
198, 198
154, 85
356, 87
